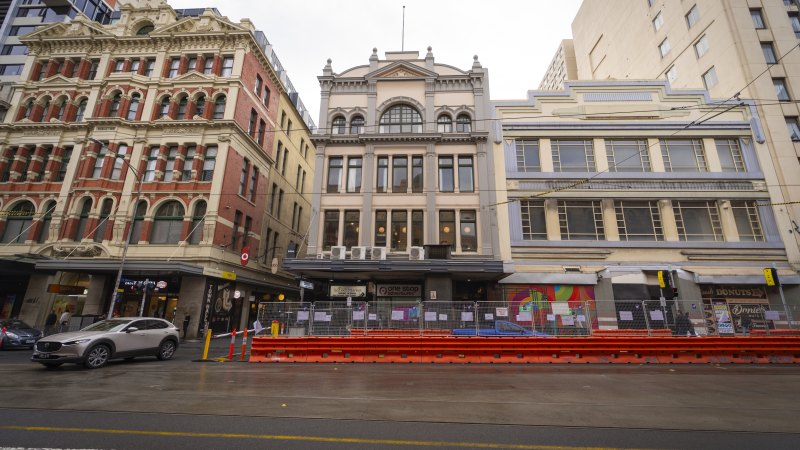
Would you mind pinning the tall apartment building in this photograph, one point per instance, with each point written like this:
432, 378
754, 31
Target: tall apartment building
746, 49
608, 183
562, 68
20, 17
404, 190
173, 128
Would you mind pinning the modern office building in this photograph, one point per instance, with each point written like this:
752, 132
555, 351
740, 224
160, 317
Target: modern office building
404, 190
608, 183
20, 17
733, 49
562, 68
159, 141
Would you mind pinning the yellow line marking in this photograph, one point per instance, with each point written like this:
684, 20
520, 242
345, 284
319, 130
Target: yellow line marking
298, 438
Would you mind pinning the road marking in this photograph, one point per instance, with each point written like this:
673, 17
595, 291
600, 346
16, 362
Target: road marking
299, 438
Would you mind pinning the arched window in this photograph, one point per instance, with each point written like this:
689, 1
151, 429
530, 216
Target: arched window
134, 106
401, 119
200, 106
138, 222
356, 125
83, 220
115, 103
183, 104
338, 125
28, 109
18, 221
163, 107
167, 224
47, 218
81, 110
102, 226
45, 109
444, 124
219, 107
145, 29
196, 232
62, 107
463, 124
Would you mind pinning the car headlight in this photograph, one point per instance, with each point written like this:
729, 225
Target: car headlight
77, 341
12, 335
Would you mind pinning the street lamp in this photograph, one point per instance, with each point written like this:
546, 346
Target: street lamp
140, 180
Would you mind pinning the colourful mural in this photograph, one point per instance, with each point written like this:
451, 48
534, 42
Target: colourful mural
537, 300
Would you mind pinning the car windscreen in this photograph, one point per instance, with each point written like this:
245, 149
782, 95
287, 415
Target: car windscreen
16, 324
107, 325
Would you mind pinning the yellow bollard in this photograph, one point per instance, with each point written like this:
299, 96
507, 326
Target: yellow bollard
208, 342
274, 328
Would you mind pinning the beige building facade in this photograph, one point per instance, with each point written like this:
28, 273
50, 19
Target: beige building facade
733, 49
562, 68
608, 183
404, 185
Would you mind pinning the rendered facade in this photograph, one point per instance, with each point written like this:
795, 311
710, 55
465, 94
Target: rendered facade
404, 187
177, 130
610, 182
731, 48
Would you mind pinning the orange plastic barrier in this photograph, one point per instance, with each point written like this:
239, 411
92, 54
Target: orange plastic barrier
760, 332
397, 332
633, 332
525, 350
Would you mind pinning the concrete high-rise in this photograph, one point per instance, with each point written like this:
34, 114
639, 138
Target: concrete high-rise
745, 49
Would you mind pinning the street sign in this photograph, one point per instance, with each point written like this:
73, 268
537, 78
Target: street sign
306, 284
245, 255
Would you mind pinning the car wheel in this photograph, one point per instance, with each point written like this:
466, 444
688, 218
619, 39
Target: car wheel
167, 350
51, 365
97, 356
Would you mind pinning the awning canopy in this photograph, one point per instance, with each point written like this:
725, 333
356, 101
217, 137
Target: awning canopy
739, 275
550, 278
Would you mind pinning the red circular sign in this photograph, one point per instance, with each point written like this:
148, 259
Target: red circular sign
245, 255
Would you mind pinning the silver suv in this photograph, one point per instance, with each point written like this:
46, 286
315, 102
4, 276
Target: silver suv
123, 337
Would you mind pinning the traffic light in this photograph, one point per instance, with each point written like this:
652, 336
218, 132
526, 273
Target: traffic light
664, 279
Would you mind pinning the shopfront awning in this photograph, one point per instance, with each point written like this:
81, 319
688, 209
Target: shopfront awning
739, 275
550, 278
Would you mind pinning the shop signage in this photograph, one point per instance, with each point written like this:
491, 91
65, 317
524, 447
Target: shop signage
348, 291
306, 284
64, 289
399, 290
245, 255
723, 291
208, 271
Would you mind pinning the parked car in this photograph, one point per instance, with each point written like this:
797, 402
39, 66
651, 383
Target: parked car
95, 345
501, 328
15, 333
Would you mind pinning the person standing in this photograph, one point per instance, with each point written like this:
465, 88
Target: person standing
747, 322
50, 322
64, 320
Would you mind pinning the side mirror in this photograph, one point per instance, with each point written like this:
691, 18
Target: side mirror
131, 329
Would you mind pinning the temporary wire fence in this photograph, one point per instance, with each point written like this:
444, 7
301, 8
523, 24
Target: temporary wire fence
543, 318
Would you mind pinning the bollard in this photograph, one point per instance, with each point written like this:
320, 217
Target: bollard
244, 345
233, 342
208, 342
274, 328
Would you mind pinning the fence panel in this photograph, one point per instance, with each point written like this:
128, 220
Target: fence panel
293, 316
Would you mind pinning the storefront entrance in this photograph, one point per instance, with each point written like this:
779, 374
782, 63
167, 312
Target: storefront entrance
155, 296
727, 308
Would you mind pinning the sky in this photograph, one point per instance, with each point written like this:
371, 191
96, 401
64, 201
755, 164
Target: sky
514, 39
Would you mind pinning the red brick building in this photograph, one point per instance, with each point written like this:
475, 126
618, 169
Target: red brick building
186, 108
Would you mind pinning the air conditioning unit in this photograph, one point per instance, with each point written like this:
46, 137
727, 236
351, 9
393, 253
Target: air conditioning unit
338, 252
416, 253
378, 253
358, 253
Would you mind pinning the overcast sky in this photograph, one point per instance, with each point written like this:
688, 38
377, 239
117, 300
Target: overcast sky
514, 39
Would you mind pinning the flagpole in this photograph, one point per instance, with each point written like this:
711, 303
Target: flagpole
403, 37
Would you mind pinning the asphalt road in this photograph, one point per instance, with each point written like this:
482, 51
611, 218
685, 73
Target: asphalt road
184, 404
